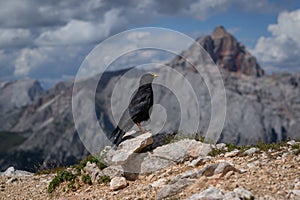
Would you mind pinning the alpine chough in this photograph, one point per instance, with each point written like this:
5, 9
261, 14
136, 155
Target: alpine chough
138, 110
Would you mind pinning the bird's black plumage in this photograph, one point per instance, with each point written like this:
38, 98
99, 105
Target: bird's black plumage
138, 110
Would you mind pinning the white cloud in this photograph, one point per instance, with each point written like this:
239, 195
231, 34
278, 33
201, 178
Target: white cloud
27, 60
11, 37
204, 9
82, 32
282, 49
38, 34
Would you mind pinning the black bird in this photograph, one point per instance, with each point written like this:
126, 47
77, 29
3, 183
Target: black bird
138, 110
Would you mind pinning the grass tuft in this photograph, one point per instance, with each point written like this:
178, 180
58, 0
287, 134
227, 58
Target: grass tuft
62, 176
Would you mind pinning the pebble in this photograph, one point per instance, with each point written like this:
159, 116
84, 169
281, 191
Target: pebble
291, 143
118, 183
220, 146
251, 151
232, 153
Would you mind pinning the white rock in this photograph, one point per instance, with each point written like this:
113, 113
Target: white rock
232, 153
118, 183
251, 151
159, 183
23, 173
113, 171
294, 194
208, 194
9, 171
12, 179
242, 193
92, 169
297, 186
200, 161
128, 148
220, 146
292, 142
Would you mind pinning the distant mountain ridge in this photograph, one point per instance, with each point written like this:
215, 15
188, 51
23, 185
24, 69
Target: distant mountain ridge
259, 107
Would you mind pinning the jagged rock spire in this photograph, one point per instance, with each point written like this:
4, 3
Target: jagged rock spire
230, 54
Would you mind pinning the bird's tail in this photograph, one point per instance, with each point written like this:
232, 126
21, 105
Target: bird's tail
116, 136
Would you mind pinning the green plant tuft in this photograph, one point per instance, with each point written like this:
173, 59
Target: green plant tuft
86, 179
62, 176
104, 179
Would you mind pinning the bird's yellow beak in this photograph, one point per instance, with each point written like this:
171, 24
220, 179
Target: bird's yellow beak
155, 75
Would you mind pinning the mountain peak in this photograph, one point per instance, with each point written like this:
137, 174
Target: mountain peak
230, 54
219, 32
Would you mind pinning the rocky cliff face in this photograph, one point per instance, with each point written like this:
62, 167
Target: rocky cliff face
259, 107
230, 54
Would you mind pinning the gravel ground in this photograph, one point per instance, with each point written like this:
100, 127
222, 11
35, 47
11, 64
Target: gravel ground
268, 175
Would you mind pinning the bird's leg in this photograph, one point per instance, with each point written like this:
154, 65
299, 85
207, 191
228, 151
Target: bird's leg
140, 127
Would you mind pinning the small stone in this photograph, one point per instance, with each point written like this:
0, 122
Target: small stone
9, 171
297, 186
211, 193
231, 196
286, 154
220, 146
159, 183
294, 194
251, 165
22, 173
174, 187
251, 151
93, 170
113, 171
242, 193
11, 180
291, 142
223, 168
200, 161
232, 153
118, 183
227, 176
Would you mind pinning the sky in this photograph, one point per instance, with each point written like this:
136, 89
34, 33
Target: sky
48, 40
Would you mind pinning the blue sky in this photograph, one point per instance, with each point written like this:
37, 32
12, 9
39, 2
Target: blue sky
49, 40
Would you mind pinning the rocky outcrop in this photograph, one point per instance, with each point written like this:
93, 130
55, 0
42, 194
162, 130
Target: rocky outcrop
272, 172
133, 162
14, 97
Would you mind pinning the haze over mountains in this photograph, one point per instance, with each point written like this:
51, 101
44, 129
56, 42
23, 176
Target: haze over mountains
37, 127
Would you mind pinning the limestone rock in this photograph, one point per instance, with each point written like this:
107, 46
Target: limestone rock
118, 183
243, 193
128, 148
113, 171
291, 142
251, 151
181, 181
159, 183
200, 161
181, 150
211, 193
220, 146
220, 169
229, 54
232, 153
174, 188
294, 194
9, 171
93, 170
154, 163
